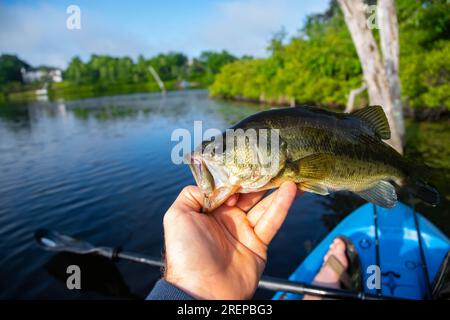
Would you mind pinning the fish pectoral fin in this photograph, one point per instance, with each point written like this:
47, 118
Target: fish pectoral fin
316, 166
375, 118
314, 188
382, 194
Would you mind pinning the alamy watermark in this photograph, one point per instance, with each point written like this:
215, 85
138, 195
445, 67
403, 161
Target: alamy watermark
233, 147
74, 279
373, 281
73, 21
373, 277
372, 21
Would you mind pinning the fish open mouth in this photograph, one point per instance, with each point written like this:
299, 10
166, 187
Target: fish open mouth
201, 174
212, 181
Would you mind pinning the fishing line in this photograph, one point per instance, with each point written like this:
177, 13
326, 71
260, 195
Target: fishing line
377, 242
421, 252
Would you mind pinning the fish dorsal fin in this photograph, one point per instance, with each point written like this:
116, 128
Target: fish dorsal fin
375, 118
382, 194
316, 166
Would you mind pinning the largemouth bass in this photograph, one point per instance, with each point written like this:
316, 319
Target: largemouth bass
319, 150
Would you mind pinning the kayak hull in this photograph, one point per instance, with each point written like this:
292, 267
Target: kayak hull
398, 254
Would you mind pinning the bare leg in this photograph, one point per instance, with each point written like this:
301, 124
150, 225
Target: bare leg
327, 277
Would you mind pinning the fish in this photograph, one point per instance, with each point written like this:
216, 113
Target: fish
319, 150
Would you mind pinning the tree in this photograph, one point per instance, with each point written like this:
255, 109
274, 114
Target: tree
390, 47
170, 66
214, 61
321, 66
141, 70
375, 74
10, 69
76, 71
425, 48
197, 69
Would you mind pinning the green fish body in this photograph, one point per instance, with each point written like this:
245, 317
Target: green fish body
321, 151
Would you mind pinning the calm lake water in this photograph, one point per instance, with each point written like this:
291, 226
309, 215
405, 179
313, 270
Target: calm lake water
100, 169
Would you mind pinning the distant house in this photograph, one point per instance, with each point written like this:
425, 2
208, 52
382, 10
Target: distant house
41, 74
55, 75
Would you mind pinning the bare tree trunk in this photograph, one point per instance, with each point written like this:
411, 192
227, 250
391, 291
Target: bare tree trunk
387, 21
351, 97
373, 69
157, 79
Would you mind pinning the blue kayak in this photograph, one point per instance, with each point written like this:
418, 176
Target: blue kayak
388, 238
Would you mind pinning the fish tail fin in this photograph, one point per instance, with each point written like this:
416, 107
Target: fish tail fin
418, 186
424, 191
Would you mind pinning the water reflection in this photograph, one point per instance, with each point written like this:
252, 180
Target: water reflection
339, 205
100, 169
99, 275
97, 168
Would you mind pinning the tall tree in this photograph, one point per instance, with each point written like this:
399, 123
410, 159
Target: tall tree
10, 67
375, 74
390, 47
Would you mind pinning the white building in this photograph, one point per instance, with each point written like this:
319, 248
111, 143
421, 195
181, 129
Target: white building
55, 75
33, 75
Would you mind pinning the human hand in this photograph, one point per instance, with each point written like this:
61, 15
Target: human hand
222, 254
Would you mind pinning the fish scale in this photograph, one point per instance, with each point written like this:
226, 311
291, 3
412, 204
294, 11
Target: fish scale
321, 151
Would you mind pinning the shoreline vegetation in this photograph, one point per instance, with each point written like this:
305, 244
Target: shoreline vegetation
320, 65
106, 75
69, 91
416, 114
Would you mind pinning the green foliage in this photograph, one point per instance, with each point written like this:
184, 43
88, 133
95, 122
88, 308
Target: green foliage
423, 23
78, 72
240, 79
425, 77
103, 74
172, 66
321, 66
10, 67
69, 90
103, 69
425, 48
208, 65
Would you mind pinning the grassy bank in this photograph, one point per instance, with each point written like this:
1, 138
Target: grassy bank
70, 91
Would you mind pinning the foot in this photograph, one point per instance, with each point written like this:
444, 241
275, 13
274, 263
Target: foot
327, 277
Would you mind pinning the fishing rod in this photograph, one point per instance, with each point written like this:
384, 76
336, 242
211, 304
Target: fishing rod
53, 241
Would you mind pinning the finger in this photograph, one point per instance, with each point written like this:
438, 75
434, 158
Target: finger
258, 210
189, 199
255, 214
271, 221
248, 200
233, 200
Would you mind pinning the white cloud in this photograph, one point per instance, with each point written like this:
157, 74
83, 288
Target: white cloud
246, 26
39, 35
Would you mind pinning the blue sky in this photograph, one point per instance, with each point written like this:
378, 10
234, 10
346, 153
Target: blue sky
36, 30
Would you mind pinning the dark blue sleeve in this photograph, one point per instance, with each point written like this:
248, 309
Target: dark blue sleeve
164, 290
